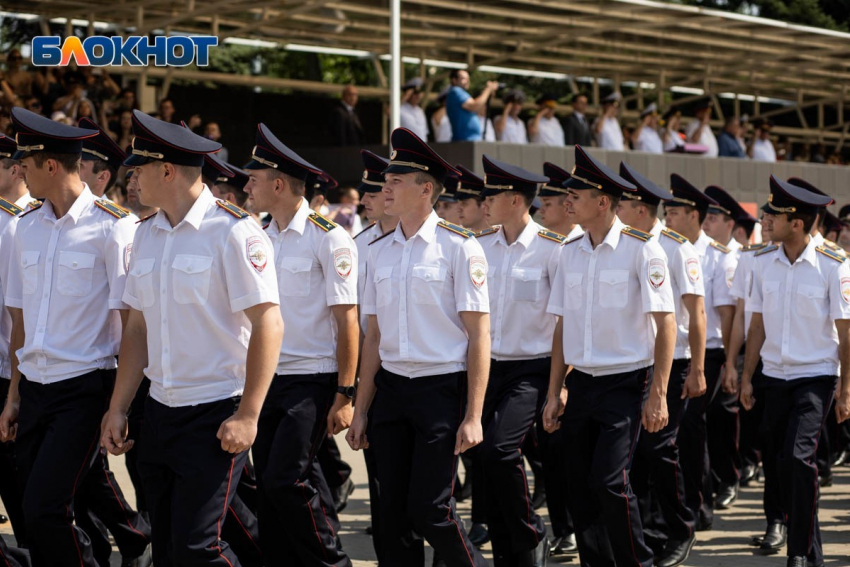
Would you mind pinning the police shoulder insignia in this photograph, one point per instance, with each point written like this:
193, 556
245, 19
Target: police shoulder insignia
150, 216
365, 229
381, 237
573, 239
10, 207
767, 249
635, 233
835, 248
232, 209
830, 253
554, 236
715, 244
35, 203
456, 229
674, 235
112, 208
489, 231
322, 222
34, 206
754, 247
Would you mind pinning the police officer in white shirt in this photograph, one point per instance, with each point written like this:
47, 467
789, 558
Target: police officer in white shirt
314, 383
410, 113
645, 136
545, 128
66, 275
205, 328
102, 158
670, 135
685, 214
611, 292
553, 198
425, 358
799, 297
606, 127
509, 127
523, 258
699, 130
473, 215
657, 455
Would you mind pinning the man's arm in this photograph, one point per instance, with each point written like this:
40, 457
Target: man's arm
842, 398
695, 382
655, 414
477, 326
348, 336
556, 400
727, 316
480, 102
370, 363
697, 134
237, 432
755, 340
736, 341
9, 417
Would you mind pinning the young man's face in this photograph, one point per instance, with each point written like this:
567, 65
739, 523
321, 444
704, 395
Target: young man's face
499, 208
448, 211
717, 227
678, 219
402, 193
471, 212
373, 204
553, 211
629, 212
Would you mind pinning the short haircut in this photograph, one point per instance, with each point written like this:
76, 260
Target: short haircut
7, 163
298, 186
421, 178
100, 165
651, 209
701, 212
188, 172
807, 218
747, 226
527, 197
69, 162
615, 200
455, 73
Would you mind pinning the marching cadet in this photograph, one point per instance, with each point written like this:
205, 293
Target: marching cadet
721, 218
204, 328
427, 348
101, 160
657, 454
685, 214
447, 206
613, 288
469, 189
314, 384
67, 269
799, 297
553, 196
523, 258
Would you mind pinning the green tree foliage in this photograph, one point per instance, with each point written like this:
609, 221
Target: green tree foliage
830, 14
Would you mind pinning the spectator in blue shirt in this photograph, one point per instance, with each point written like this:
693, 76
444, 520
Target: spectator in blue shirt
463, 110
727, 142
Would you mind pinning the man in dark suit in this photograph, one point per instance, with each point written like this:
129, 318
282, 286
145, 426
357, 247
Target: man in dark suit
577, 130
345, 125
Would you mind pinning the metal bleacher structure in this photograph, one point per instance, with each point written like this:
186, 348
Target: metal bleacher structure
655, 46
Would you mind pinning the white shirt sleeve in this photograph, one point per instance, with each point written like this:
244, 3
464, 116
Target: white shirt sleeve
655, 297
687, 271
338, 258
755, 297
368, 303
723, 278
248, 284
469, 296
556, 295
117, 251
839, 303
12, 285
743, 275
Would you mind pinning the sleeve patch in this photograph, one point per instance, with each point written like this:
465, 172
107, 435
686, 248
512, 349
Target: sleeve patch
112, 208
656, 273
343, 262
730, 277
322, 222
692, 267
459, 230
255, 249
478, 271
845, 290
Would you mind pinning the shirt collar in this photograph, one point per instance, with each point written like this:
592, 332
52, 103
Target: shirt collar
578, 114
348, 107
809, 254
25, 200
656, 229
611, 239
818, 239
703, 242
427, 232
85, 198
195, 215
526, 237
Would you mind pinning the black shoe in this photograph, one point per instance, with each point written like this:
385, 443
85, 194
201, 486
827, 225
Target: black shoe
774, 539
563, 545
825, 481
342, 494
478, 535
703, 523
3, 519
749, 474
539, 498
369, 530
143, 560
798, 561
841, 458
726, 496
438, 562
676, 552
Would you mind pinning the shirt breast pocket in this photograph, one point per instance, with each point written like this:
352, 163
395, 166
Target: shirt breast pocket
29, 271
191, 278
75, 272
811, 301
427, 284
526, 283
613, 288
573, 294
142, 276
383, 286
770, 301
294, 278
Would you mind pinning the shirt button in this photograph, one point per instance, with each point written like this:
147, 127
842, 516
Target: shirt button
165, 351
163, 292
74, 264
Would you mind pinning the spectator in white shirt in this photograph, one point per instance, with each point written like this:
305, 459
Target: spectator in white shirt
509, 127
606, 128
699, 130
645, 136
670, 135
440, 124
761, 147
411, 114
545, 128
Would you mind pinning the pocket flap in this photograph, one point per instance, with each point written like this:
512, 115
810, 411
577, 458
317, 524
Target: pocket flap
383, 273
142, 266
811, 291
614, 277
76, 260
572, 280
192, 264
526, 274
429, 273
29, 258
295, 264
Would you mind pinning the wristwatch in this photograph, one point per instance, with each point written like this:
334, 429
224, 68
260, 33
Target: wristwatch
347, 391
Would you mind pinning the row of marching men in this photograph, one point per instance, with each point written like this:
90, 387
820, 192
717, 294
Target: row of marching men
464, 345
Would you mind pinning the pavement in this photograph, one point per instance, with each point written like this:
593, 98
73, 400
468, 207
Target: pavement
724, 546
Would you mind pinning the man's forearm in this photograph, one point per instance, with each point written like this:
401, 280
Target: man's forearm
16, 342
478, 373
665, 345
348, 338
736, 335
558, 370
755, 340
132, 357
727, 315
370, 363
696, 336
263, 354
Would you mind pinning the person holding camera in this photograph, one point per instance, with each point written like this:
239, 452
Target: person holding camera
463, 110
509, 128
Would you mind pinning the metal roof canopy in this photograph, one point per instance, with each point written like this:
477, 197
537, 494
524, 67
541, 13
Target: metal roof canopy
621, 40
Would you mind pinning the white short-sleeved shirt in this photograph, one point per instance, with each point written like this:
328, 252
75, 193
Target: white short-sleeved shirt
417, 287
68, 275
514, 132
718, 269
674, 141
741, 282
686, 279
193, 283
606, 296
443, 130
7, 222
649, 141
362, 241
706, 138
611, 135
549, 132
520, 279
316, 264
413, 118
487, 130
763, 150
800, 303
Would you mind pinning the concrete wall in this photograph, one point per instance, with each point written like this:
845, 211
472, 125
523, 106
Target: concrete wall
747, 180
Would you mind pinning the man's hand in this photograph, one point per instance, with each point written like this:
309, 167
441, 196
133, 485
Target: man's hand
730, 379
746, 396
237, 433
341, 414
113, 432
842, 407
493, 86
655, 413
469, 434
356, 435
553, 410
694, 384
9, 421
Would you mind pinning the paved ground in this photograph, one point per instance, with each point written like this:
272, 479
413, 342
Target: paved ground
725, 546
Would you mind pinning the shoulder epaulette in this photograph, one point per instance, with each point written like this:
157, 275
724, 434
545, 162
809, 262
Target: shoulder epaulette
365, 229
33, 208
674, 235
573, 239
150, 216
635, 233
381, 237
830, 253
834, 247
767, 249
232, 209
34, 204
715, 244
754, 247
489, 231
10, 207
112, 208
554, 236
322, 222
459, 230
